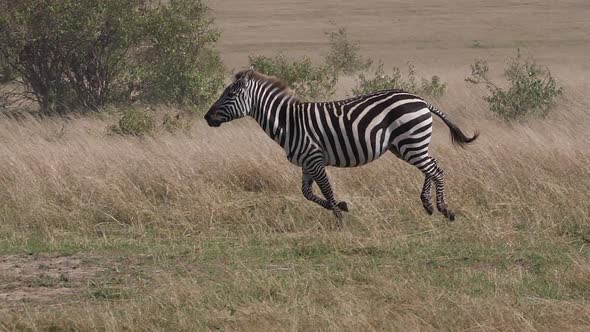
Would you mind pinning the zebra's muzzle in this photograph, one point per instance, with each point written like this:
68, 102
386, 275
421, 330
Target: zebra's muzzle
211, 121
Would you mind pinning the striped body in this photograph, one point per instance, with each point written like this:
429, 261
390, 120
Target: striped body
344, 133
352, 132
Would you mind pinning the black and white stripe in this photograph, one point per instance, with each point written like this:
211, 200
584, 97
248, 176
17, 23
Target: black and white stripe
344, 133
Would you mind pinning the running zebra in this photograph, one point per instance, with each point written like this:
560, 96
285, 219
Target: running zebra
345, 133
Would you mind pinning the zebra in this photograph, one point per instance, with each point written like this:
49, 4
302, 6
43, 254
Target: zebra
344, 133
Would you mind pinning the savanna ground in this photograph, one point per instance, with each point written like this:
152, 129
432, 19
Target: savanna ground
208, 229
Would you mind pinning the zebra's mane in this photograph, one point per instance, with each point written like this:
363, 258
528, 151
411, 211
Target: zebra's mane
273, 81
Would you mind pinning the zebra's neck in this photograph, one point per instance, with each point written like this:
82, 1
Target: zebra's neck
273, 108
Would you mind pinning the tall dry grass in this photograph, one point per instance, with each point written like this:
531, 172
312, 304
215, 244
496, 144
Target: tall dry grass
520, 192
70, 174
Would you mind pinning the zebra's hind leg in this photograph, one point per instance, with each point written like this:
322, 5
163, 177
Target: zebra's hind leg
425, 195
317, 172
432, 173
441, 204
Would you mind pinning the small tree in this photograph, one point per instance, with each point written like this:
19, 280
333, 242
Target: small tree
532, 89
135, 123
66, 53
175, 63
382, 81
80, 54
344, 54
308, 80
6, 73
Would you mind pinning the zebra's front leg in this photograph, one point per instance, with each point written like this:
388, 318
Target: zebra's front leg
307, 190
318, 174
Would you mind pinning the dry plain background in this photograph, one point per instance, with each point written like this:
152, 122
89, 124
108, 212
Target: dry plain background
208, 230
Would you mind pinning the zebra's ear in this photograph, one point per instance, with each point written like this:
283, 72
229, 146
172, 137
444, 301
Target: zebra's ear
249, 74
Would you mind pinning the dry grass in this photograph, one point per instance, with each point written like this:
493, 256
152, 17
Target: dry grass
210, 230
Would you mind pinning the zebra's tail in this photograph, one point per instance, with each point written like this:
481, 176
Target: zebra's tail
457, 136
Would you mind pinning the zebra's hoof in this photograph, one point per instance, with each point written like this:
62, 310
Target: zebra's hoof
450, 214
428, 209
343, 206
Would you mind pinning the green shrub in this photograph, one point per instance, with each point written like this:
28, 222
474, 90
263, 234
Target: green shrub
6, 72
313, 81
140, 122
134, 122
308, 80
81, 54
176, 123
344, 54
66, 52
532, 90
381, 81
434, 87
178, 66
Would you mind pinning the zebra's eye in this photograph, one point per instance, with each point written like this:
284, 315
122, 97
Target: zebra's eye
231, 94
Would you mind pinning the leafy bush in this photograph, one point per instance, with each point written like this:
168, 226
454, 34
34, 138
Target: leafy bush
308, 80
65, 51
176, 123
532, 89
142, 121
381, 81
315, 81
344, 54
134, 122
177, 66
84, 53
434, 87
6, 73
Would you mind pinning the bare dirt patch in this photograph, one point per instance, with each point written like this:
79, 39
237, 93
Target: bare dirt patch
43, 279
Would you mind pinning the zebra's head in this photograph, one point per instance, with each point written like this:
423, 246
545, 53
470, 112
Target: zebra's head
234, 103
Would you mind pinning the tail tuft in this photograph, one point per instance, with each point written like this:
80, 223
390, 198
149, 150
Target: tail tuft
457, 136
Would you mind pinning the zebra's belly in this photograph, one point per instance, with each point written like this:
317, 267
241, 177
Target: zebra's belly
301, 151
356, 160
